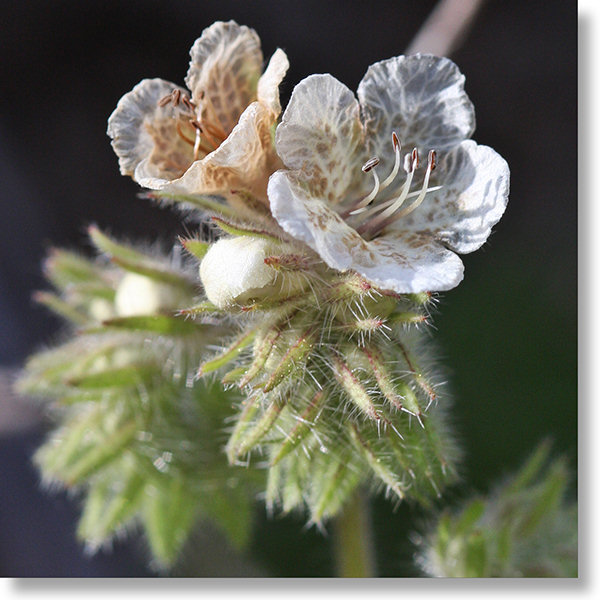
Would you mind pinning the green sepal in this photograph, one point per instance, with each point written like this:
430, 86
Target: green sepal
196, 248
159, 324
232, 510
65, 269
136, 262
293, 360
250, 434
230, 353
72, 456
239, 230
118, 377
354, 388
203, 202
62, 308
377, 462
306, 422
333, 478
169, 511
111, 503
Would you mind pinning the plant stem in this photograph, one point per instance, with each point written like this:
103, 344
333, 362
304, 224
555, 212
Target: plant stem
445, 28
354, 539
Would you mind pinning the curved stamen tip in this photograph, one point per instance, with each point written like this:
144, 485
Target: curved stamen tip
415, 159
395, 141
372, 162
431, 160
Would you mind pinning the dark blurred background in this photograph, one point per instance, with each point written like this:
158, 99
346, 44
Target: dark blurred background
507, 334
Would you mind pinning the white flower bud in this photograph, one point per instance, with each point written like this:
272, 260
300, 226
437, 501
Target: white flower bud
140, 295
234, 271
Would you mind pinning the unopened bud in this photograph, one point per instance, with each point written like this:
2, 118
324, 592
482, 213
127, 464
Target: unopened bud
234, 272
140, 295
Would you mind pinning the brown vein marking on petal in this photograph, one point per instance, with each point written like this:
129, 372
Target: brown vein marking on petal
171, 155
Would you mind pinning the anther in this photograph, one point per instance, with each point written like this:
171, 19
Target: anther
176, 96
372, 162
165, 100
392, 175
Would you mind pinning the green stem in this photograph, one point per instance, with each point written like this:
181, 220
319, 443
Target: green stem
353, 539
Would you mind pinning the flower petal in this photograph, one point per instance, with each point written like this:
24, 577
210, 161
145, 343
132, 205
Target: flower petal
408, 263
310, 220
226, 63
320, 134
405, 262
421, 98
142, 131
474, 195
268, 84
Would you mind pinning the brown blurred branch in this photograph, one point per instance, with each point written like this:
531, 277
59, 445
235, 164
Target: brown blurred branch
445, 28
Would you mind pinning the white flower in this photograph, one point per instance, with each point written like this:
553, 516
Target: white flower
350, 194
215, 138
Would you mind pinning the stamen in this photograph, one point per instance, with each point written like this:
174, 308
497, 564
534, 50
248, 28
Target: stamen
176, 96
198, 145
165, 100
421, 196
409, 167
392, 175
390, 216
212, 115
188, 103
361, 206
182, 135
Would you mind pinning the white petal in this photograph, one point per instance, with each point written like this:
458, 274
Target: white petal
409, 263
268, 84
310, 220
474, 195
404, 262
320, 134
421, 98
143, 131
226, 63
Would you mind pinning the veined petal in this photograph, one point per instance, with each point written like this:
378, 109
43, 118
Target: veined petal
238, 163
143, 131
226, 63
408, 263
310, 220
268, 84
474, 195
421, 98
320, 134
405, 262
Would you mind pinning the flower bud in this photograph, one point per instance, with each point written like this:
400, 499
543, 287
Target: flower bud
140, 295
234, 271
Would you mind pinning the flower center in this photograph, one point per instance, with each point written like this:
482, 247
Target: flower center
199, 119
372, 214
